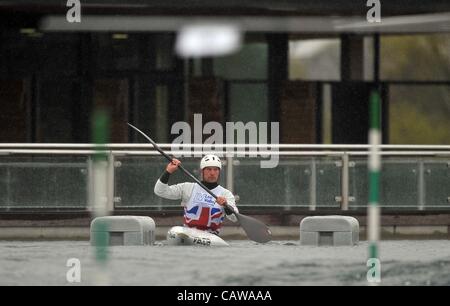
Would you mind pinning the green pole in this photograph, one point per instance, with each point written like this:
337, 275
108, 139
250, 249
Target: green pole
100, 136
374, 168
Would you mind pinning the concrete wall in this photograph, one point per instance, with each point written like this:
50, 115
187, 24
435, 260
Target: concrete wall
228, 233
284, 226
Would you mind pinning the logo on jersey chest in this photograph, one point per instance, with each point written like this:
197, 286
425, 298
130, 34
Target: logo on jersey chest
204, 198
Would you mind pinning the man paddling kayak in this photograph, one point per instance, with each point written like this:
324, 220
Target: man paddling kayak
201, 211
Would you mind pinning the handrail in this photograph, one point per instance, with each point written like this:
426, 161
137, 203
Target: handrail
193, 146
221, 153
313, 154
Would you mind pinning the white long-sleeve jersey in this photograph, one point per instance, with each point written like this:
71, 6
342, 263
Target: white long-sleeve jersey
192, 195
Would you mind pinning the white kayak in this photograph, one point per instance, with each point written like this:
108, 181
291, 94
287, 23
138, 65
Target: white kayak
180, 235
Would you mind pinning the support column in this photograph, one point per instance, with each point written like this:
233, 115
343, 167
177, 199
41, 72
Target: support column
278, 71
352, 58
351, 96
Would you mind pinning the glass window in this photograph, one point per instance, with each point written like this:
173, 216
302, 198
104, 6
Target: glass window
419, 114
248, 102
415, 57
314, 59
113, 95
249, 63
165, 57
116, 52
57, 120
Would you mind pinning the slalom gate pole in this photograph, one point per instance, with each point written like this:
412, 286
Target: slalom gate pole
374, 167
99, 192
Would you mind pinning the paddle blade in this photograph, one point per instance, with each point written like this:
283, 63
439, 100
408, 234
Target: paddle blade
255, 229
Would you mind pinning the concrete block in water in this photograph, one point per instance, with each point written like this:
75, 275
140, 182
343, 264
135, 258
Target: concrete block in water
329, 230
124, 230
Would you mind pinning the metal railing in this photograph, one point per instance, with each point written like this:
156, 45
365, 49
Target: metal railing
59, 176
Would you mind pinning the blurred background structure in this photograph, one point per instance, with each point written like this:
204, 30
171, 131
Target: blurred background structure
308, 64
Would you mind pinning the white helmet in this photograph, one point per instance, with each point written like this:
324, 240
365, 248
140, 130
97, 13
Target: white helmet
210, 160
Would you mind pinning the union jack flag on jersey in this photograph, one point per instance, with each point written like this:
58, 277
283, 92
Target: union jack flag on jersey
203, 213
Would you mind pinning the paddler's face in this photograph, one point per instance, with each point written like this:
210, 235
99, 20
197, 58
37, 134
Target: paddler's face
211, 174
